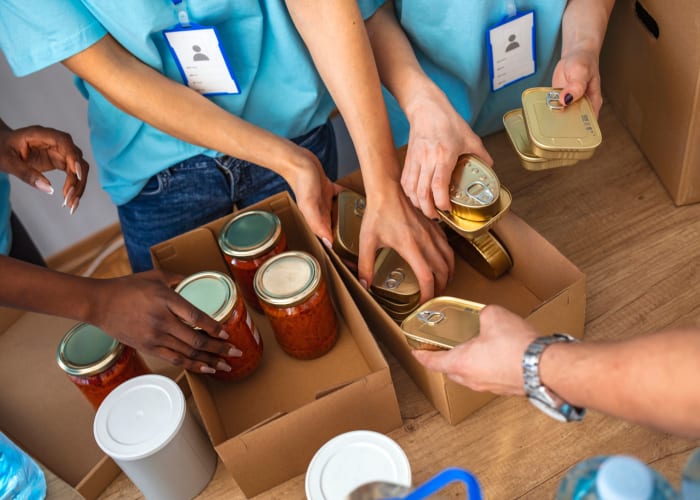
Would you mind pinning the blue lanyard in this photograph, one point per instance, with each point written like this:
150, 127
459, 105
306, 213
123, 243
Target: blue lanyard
181, 10
511, 9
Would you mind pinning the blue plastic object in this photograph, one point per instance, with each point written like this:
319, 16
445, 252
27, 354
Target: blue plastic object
442, 479
20, 476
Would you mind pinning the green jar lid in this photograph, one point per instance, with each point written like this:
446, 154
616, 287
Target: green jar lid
250, 234
287, 279
211, 292
85, 350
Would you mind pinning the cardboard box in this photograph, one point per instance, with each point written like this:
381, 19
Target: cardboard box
650, 71
267, 428
542, 286
43, 411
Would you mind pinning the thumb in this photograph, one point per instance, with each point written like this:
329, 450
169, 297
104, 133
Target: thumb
28, 174
436, 361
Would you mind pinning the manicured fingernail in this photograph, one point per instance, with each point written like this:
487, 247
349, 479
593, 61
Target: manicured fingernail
223, 366
363, 283
72, 209
78, 171
68, 195
207, 369
223, 334
44, 187
327, 243
568, 98
235, 353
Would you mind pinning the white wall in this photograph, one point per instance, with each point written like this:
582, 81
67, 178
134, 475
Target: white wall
49, 98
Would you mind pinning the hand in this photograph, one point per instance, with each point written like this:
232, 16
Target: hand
28, 152
314, 195
143, 311
390, 221
577, 73
490, 362
438, 136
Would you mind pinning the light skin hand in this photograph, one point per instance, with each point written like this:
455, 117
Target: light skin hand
490, 362
392, 222
29, 152
143, 311
577, 74
438, 136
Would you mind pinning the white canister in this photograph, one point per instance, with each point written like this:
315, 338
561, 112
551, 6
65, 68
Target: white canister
144, 426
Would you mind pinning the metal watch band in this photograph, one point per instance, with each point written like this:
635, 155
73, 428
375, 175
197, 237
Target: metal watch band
539, 395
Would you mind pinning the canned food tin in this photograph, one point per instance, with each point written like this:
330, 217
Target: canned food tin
394, 278
559, 132
295, 299
247, 240
350, 207
97, 363
483, 252
469, 228
215, 294
474, 189
514, 124
442, 323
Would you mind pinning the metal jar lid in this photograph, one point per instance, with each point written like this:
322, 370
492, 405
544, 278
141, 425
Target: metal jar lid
85, 350
287, 279
474, 189
394, 279
556, 131
442, 323
514, 123
250, 234
211, 292
350, 209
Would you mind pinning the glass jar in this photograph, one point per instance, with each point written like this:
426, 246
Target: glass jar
247, 240
295, 299
97, 363
215, 294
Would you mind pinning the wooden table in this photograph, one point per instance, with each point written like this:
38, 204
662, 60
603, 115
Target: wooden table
611, 217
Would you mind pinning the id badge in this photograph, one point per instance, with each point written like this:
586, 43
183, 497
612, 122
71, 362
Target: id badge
201, 59
511, 46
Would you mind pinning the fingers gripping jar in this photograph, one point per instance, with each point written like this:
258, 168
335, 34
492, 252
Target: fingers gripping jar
215, 294
247, 240
295, 299
97, 363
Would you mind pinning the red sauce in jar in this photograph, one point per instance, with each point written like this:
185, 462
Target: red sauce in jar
295, 299
97, 363
215, 294
247, 240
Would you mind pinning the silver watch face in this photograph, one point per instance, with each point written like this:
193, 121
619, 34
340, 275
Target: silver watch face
544, 407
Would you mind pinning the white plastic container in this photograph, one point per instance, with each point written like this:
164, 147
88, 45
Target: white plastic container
144, 426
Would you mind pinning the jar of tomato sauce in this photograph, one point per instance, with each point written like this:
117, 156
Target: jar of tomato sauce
215, 294
295, 299
97, 363
247, 240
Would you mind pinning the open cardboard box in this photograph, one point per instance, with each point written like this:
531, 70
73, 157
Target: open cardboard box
43, 411
542, 286
267, 427
650, 69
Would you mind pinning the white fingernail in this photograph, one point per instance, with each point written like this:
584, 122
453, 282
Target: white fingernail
223, 334
78, 171
363, 283
207, 369
43, 186
68, 195
327, 243
72, 209
235, 353
223, 366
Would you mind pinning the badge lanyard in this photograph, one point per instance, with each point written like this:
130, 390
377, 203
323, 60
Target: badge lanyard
199, 55
511, 47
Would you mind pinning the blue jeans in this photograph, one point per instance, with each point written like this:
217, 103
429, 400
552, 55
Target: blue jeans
201, 189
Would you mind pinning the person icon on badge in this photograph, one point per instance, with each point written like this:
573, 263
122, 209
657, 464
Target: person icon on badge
199, 56
511, 46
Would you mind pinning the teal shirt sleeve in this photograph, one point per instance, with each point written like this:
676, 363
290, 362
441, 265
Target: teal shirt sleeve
369, 7
32, 42
5, 210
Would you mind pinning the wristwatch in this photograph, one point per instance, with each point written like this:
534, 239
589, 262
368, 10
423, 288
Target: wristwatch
539, 395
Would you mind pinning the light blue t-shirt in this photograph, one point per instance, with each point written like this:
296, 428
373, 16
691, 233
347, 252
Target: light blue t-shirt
450, 41
5, 211
281, 90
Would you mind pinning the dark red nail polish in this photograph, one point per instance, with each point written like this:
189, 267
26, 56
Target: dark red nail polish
568, 98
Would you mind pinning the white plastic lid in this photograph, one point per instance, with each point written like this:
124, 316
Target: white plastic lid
139, 417
352, 459
621, 478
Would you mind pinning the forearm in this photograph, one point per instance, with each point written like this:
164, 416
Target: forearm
584, 24
137, 89
650, 379
341, 52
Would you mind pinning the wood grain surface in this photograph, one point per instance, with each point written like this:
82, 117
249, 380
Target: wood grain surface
612, 218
